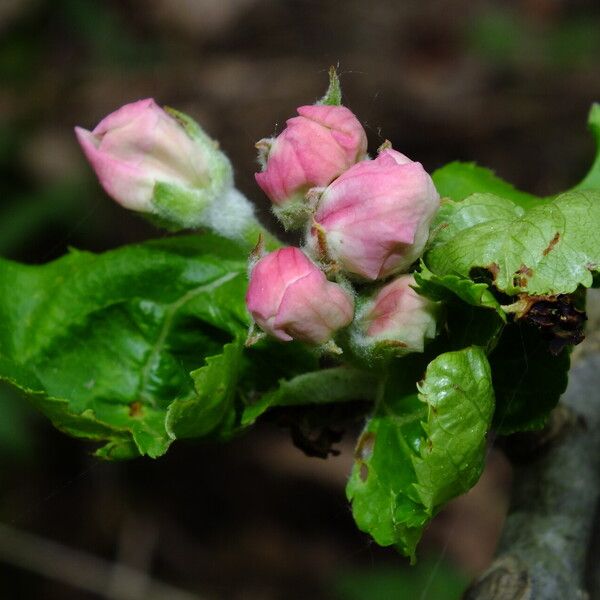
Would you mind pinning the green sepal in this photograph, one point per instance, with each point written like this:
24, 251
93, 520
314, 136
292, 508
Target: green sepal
294, 213
333, 95
183, 207
178, 207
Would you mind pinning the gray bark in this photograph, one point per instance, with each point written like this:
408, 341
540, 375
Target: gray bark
546, 550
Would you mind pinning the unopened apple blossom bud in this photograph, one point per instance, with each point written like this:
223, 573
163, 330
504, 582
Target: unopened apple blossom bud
373, 221
314, 148
290, 298
160, 162
395, 321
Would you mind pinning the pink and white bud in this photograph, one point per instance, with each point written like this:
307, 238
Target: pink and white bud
290, 298
374, 219
141, 148
397, 319
314, 148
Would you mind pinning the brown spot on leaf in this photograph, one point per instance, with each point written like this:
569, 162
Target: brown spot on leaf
525, 270
364, 448
552, 243
393, 344
519, 281
487, 274
136, 409
363, 472
520, 278
494, 269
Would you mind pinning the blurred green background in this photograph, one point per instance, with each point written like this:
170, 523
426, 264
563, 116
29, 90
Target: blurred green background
507, 84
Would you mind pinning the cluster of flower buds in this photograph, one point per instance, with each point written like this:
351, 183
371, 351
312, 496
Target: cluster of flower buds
364, 220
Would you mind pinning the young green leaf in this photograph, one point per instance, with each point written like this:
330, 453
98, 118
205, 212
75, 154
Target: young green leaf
550, 249
336, 384
454, 217
420, 450
212, 401
592, 180
459, 180
448, 287
105, 343
473, 316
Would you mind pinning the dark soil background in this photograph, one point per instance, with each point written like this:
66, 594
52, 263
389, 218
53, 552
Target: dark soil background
508, 84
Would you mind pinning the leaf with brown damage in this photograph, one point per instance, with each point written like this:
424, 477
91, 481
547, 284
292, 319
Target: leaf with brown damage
549, 249
552, 243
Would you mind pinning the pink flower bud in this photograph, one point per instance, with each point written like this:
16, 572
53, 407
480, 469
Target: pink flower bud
290, 298
397, 318
312, 151
141, 145
374, 219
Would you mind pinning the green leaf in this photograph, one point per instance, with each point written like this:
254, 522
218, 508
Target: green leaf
419, 451
528, 380
592, 180
550, 249
473, 316
455, 217
105, 343
336, 384
447, 287
459, 180
215, 392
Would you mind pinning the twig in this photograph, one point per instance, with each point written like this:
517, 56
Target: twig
542, 553
137, 541
80, 570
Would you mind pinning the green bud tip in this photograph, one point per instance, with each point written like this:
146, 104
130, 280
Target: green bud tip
333, 95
